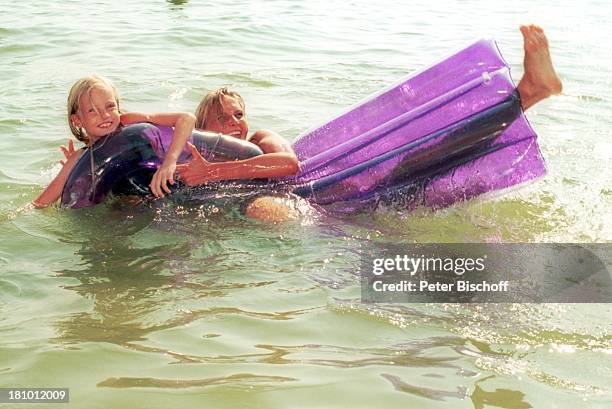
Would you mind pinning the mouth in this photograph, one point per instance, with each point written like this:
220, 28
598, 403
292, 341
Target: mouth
236, 134
105, 125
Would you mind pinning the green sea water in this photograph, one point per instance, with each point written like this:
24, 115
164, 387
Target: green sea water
175, 306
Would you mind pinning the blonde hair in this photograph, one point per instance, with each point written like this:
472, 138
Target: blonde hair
83, 87
212, 103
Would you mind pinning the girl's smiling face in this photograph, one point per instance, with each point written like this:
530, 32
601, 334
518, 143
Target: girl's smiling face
98, 112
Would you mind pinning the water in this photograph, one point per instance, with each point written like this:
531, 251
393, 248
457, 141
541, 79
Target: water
199, 307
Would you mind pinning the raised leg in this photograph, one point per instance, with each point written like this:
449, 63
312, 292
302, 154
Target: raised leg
540, 79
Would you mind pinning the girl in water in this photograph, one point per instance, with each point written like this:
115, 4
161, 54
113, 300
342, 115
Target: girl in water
94, 115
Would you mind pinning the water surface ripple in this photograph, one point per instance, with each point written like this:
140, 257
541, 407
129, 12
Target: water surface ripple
174, 305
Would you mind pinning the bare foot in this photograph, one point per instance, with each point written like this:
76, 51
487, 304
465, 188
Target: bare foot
540, 79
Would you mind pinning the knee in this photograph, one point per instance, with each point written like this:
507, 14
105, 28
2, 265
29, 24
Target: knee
271, 209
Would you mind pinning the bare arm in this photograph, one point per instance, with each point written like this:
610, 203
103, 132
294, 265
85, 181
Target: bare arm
53, 192
199, 171
278, 160
183, 124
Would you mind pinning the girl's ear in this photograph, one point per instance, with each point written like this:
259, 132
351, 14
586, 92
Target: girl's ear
76, 121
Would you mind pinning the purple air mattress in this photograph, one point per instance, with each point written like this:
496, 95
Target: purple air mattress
446, 134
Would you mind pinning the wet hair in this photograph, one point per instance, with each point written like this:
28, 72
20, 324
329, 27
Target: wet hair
83, 87
212, 103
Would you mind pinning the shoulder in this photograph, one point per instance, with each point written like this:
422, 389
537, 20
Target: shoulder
264, 134
270, 141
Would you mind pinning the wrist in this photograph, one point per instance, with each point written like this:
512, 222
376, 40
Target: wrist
168, 162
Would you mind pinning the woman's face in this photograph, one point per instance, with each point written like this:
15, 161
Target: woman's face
230, 119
